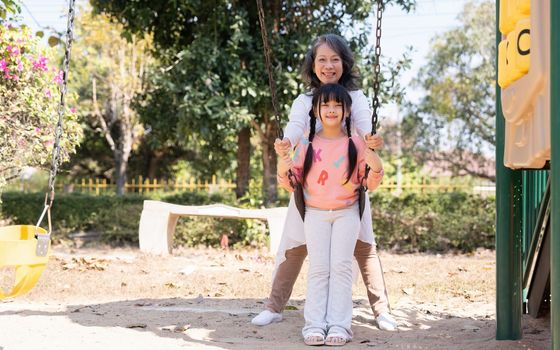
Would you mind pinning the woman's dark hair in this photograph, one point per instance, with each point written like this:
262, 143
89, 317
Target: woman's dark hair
326, 93
350, 75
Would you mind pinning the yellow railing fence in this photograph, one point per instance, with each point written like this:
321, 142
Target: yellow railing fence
141, 185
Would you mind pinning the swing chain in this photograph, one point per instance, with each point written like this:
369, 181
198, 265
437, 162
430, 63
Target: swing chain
376, 84
377, 66
271, 81
43, 240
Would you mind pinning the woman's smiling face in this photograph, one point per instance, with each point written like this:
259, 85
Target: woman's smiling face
327, 65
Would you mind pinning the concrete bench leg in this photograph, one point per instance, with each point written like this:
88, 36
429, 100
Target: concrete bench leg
276, 219
156, 231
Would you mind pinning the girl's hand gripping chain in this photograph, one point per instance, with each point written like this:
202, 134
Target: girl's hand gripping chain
282, 147
373, 160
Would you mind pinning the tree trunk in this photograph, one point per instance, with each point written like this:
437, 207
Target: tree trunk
121, 166
270, 189
243, 161
154, 159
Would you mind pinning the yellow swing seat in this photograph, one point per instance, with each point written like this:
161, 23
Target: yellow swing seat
18, 247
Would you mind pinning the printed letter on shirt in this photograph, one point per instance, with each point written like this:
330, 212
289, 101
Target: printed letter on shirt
317, 155
323, 177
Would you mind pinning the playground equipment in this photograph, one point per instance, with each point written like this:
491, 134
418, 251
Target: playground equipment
27, 247
527, 165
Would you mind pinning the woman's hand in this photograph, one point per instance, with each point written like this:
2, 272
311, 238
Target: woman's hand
282, 147
374, 141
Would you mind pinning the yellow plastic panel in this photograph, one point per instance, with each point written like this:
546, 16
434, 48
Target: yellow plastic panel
514, 54
504, 79
511, 11
526, 98
521, 46
17, 248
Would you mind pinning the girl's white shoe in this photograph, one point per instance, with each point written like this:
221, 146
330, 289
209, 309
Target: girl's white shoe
266, 317
386, 322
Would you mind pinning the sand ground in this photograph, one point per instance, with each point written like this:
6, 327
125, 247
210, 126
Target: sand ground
103, 298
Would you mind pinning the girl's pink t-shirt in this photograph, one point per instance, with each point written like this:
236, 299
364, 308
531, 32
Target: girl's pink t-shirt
326, 186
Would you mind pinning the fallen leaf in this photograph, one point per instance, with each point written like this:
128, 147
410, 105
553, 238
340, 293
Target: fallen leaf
187, 270
290, 307
180, 329
137, 325
408, 291
142, 304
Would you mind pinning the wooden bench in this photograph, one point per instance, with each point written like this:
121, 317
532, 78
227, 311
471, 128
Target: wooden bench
158, 221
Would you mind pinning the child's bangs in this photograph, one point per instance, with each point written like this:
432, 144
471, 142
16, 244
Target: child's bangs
334, 92
331, 95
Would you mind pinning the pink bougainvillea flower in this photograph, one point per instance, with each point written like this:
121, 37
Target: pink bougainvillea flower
48, 93
19, 65
58, 77
40, 64
73, 110
3, 65
13, 50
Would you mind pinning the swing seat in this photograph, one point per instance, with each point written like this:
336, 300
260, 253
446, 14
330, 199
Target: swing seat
18, 248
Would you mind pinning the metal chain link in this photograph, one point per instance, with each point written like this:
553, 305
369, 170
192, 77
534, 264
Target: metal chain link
49, 196
271, 81
376, 75
377, 66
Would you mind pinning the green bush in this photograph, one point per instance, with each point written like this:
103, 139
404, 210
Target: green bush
411, 223
117, 218
433, 221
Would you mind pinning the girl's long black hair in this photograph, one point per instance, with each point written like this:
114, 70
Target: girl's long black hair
326, 93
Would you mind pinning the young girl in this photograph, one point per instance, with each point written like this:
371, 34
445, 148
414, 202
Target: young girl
330, 166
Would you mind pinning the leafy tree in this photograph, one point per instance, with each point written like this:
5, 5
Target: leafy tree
214, 84
111, 75
8, 7
453, 123
29, 87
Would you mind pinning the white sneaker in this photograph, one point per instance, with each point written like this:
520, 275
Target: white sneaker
386, 322
266, 317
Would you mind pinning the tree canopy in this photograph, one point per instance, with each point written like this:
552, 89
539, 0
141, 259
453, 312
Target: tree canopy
453, 122
212, 83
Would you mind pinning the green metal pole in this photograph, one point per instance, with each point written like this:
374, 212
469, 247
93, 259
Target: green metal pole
555, 172
508, 230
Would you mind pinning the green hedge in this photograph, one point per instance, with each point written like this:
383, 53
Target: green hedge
434, 222
413, 222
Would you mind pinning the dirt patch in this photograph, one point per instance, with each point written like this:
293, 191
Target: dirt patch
205, 298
